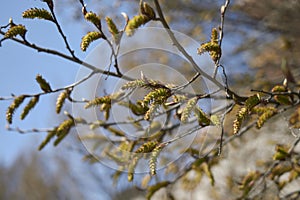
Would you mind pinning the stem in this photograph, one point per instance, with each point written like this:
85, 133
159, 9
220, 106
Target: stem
162, 19
67, 57
221, 34
61, 32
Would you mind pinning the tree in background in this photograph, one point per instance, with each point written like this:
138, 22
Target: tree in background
182, 133
31, 178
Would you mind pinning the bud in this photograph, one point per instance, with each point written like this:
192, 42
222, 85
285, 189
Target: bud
147, 10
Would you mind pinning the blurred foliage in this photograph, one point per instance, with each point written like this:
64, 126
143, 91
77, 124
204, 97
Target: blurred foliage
31, 177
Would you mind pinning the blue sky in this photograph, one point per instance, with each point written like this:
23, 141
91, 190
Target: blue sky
20, 65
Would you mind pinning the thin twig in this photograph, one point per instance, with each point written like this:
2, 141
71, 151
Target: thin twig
113, 52
221, 35
181, 87
71, 86
162, 19
35, 130
61, 32
223, 11
291, 194
67, 57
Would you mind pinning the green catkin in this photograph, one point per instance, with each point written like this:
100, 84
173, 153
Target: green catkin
250, 103
49, 136
153, 158
157, 96
112, 28
65, 127
89, 38
207, 170
249, 180
151, 111
15, 30
93, 18
61, 100
134, 84
147, 147
33, 101
212, 47
135, 23
270, 112
141, 83
13, 106
63, 130
44, 85
144, 148
37, 13
239, 120
131, 168
188, 109
98, 101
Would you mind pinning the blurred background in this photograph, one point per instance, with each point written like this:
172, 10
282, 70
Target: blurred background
261, 46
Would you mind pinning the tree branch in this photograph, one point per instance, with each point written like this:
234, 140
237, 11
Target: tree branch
61, 31
199, 71
67, 57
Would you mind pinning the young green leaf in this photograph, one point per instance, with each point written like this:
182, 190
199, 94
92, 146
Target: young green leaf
282, 99
203, 119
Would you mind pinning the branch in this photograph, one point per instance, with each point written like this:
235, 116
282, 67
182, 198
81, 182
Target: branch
67, 57
113, 52
61, 31
223, 11
200, 72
